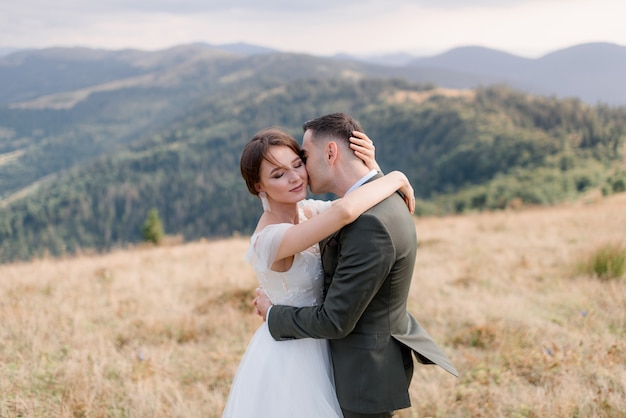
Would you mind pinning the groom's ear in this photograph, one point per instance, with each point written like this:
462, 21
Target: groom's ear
331, 152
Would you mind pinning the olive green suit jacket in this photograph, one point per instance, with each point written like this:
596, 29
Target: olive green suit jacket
368, 267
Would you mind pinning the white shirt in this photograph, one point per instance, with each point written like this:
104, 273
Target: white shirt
362, 180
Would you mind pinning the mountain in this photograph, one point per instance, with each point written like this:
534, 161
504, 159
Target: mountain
7, 51
591, 72
86, 153
475, 59
33, 74
392, 60
66, 106
246, 49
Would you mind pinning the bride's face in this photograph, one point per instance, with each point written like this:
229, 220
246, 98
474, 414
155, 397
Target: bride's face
284, 176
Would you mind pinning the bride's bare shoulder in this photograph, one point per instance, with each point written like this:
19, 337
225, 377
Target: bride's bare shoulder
266, 220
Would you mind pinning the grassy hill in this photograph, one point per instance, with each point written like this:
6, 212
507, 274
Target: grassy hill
159, 331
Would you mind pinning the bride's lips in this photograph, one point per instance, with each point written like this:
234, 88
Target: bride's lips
297, 189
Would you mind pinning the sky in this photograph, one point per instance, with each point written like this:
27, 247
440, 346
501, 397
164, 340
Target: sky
529, 28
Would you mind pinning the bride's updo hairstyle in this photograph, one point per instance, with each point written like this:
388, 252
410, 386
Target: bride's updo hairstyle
258, 149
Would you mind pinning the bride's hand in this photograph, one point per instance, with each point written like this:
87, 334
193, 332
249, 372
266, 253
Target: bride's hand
407, 193
363, 148
409, 199
262, 303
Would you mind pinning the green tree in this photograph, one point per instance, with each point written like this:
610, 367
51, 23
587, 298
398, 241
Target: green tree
152, 230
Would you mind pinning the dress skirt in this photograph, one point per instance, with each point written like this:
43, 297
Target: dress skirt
283, 379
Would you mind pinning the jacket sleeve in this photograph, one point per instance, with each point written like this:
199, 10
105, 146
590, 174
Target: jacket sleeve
365, 256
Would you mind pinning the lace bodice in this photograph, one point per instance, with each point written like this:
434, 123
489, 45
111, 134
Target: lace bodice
302, 284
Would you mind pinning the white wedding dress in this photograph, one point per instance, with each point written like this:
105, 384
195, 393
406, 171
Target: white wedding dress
285, 379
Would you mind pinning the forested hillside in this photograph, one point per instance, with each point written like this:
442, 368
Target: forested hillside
57, 111
466, 150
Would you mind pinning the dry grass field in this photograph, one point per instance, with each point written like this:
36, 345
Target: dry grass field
158, 332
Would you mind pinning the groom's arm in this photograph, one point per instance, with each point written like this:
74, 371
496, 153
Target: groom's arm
366, 256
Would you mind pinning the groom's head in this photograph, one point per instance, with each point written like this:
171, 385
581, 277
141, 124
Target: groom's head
330, 162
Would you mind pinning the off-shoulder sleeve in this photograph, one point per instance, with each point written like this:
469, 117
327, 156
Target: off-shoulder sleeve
315, 206
264, 246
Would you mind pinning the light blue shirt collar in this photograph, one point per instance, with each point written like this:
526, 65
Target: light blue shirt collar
362, 180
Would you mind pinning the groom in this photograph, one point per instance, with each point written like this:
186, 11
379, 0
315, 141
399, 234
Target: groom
368, 266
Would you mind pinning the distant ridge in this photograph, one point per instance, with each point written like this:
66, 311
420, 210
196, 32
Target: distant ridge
475, 59
7, 51
591, 72
398, 59
247, 49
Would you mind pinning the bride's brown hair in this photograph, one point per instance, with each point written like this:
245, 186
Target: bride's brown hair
258, 149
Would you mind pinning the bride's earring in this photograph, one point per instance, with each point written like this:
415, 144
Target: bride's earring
264, 202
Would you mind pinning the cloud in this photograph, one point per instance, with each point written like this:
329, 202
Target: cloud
207, 6
177, 6
289, 6
318, 27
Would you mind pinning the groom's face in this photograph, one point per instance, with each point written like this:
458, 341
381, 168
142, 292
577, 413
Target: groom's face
314, 163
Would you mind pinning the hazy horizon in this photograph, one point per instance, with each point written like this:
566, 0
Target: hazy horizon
527, 28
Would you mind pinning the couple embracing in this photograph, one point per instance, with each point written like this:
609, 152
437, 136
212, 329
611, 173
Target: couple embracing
334, 276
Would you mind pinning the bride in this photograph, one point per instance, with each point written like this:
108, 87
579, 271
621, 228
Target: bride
294, 378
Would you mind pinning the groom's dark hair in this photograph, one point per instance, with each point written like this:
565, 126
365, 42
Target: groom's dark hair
337, 126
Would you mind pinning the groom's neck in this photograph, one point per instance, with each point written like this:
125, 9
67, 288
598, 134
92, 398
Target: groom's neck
348, 178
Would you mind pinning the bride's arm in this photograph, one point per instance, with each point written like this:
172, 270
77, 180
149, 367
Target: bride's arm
301, 236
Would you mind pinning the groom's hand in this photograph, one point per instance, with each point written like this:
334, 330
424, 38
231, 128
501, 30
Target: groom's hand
262, 303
